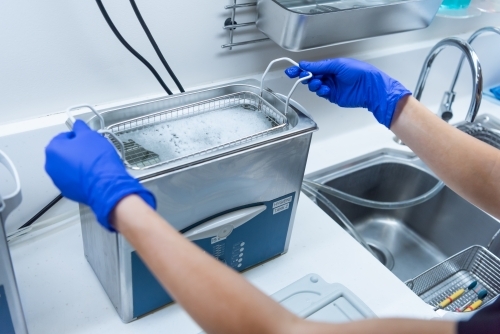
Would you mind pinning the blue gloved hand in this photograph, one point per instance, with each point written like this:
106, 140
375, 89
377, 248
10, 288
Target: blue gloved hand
351, 83
86, 168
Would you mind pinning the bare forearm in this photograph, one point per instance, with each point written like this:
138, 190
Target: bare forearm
467, 165
217, 298
379, 326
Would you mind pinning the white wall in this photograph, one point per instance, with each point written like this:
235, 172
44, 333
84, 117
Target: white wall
57, 53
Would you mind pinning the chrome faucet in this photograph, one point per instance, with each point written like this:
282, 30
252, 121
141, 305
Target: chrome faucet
477, 77
445, 110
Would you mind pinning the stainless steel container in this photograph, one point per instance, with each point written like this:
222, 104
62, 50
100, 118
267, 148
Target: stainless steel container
11, 312
298, 25
237, 202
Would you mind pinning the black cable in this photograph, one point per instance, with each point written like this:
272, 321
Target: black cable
155, 46
126, 45
41, 212
138, 56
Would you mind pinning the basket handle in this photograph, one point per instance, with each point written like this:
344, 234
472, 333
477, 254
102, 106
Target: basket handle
73, 120
102, 130
11, 201
309, 76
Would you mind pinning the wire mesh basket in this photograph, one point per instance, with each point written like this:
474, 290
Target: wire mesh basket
137, 156
475, 263
140, 157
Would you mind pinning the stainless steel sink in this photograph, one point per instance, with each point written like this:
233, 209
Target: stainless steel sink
411, 240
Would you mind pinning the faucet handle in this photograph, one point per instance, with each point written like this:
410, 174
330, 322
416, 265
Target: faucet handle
477, 82
445, 111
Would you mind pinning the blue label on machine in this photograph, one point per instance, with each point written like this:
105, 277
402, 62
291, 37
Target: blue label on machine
6, 325
260, 239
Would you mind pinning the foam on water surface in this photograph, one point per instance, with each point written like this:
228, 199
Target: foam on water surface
184, 136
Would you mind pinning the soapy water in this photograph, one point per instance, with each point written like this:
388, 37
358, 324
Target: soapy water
187, 135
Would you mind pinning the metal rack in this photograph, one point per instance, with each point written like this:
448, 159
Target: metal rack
230, 25
136, 155
142, 158
474, 263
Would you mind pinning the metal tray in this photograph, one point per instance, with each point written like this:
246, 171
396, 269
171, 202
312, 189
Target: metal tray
457, 272
298, 25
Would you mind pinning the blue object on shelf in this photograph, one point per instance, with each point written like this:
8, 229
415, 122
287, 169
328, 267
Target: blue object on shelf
496, 92
488, 94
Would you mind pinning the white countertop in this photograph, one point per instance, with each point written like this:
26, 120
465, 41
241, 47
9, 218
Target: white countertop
61, 294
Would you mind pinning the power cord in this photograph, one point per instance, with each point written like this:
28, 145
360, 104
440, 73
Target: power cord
138, 56
155, 46
131, 49
41, 212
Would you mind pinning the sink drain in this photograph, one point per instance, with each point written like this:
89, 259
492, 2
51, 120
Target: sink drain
381, 253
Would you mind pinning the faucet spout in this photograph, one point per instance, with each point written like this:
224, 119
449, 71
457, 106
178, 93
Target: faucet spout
470, 40
477, 76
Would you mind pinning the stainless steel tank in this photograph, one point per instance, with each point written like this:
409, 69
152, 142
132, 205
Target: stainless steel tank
237, 201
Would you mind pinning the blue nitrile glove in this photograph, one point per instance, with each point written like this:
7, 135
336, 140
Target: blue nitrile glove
86, 168
351, 83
